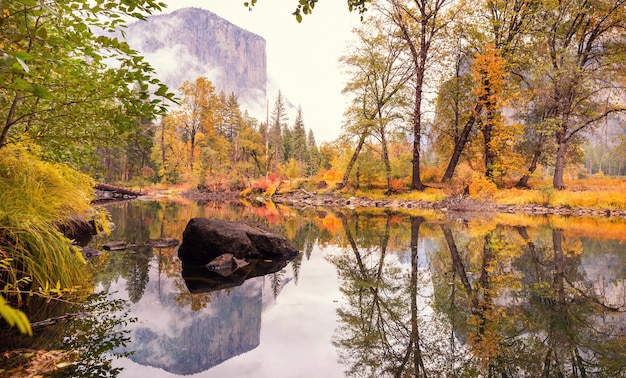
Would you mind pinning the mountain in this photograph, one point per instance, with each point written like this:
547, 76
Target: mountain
191, 43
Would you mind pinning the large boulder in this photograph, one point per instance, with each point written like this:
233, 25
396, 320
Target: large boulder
205, 239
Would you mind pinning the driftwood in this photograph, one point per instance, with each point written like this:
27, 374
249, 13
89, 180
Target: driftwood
115, 246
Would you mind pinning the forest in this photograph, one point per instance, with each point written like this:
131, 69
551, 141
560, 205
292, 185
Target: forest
442, 93
458, 96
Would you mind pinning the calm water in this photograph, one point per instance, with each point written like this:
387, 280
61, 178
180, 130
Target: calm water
372, 294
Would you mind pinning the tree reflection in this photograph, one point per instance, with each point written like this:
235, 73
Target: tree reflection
95, 339
531, 312
379, 335
491, 300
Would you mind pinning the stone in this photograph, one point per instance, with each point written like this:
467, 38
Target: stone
205, 239
162, 242
226, 264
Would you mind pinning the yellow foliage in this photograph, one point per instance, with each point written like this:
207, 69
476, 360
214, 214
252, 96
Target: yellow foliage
270, 191
481, 188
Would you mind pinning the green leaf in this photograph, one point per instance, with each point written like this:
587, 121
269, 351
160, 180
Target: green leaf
20, 85
41, 92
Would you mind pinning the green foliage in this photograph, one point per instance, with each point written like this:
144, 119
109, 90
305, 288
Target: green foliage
307, 6
67, 88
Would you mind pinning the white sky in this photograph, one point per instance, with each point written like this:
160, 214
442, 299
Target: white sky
302, 59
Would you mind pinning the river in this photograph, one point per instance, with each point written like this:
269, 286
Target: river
373, 293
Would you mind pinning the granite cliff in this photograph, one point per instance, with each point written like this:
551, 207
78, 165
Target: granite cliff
191, 43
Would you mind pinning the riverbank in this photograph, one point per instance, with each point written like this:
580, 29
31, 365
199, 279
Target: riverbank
455, 204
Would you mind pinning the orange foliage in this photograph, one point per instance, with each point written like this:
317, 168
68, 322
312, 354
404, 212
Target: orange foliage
331, 175
330, 222
603, 228
481, 187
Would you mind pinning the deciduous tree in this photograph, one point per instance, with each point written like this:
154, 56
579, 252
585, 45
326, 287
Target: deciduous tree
67, 88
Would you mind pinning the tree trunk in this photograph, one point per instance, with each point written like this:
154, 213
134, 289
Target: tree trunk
386, 161
490, 156
523, 181
355, 155
559, 167
416, 181
460, 144
191, 151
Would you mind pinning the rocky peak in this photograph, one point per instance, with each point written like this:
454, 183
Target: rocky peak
191, 43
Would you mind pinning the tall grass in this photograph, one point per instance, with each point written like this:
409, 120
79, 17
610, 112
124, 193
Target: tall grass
35, 198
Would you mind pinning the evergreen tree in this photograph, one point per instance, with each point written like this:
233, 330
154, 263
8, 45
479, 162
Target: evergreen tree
314, 155
299, 141
279, 118
287, 143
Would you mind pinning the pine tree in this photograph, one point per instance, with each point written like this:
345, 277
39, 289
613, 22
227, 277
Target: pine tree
299, 141
279, 118
314, 155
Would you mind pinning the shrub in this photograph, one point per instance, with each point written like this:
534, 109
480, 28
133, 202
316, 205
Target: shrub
481, 187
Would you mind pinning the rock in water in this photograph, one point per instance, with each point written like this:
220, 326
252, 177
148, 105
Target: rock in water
205, 239
226, 264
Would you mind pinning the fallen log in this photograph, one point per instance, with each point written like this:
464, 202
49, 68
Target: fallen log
116, 189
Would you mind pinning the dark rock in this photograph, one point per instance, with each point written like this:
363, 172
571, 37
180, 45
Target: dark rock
79, 230
90, 252
205, 239
201, 279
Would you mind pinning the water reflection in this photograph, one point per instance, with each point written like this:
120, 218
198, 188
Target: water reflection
374, 294
191, 319
492, 300
86, 345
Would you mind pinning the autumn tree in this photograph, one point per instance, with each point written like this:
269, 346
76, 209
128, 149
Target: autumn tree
197, 115
169, 152
378, 75
252, 145
420, 22
582, 65
505, 25
453, 105
490, 78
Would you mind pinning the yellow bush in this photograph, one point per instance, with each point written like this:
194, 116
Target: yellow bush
481, 188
